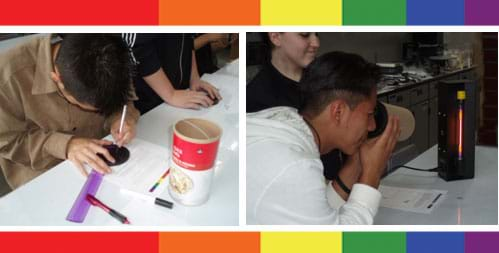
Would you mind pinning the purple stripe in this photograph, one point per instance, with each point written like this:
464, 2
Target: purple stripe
481, 12
481, 242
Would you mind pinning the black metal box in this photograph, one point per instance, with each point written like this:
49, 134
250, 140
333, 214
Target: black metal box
456, 129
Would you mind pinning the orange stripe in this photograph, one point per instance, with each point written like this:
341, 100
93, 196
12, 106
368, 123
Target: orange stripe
208, 242
209, 12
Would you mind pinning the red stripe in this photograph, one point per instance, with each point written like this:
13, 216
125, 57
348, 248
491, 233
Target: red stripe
76, 242
166, 173
88, 12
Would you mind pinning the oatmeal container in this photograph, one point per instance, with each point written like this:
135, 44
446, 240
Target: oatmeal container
194, 151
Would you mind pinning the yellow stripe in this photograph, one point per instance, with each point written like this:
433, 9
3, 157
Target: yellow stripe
299, 12
299, 242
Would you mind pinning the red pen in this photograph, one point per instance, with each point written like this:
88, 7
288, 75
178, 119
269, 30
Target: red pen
95, 202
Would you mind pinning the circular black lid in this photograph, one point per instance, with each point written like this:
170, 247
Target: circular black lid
120, 154
381, 118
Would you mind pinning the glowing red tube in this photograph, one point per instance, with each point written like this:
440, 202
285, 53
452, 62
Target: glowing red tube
461, 96
460, 145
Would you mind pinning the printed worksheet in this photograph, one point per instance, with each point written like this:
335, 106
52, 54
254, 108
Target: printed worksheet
411, 200
145, 167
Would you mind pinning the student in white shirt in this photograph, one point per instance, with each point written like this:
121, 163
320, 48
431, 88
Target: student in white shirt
285, 182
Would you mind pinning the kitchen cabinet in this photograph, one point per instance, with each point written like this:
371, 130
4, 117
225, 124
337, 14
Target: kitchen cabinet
432, 122
420, 135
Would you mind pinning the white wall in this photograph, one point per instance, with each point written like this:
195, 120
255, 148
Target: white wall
379, 47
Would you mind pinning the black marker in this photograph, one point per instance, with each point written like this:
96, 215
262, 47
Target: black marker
435, 200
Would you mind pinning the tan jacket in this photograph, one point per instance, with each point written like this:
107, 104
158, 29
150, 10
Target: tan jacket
36, 123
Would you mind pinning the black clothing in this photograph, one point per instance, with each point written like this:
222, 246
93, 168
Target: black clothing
270, 88
172, 52
205, 59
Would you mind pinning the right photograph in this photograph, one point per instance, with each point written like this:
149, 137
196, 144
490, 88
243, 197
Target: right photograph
361, 128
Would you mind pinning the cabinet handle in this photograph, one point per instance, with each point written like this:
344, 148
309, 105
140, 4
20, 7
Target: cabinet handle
424, 105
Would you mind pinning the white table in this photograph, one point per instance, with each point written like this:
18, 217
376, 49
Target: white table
471, 201
47, 199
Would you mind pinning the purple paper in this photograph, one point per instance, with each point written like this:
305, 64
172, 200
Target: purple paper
80, 207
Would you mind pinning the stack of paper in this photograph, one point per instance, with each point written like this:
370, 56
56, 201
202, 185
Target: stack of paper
147, 163
412, 200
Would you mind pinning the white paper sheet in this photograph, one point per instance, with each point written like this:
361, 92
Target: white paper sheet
147, 163
140, 212
227, 86
231, 68
411, 200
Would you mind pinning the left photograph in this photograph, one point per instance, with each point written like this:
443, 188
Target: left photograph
119, 129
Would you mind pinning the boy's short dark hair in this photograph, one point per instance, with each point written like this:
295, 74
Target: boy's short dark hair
337, 75
96, 69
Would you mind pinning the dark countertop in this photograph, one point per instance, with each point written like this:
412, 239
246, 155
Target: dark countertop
387, 90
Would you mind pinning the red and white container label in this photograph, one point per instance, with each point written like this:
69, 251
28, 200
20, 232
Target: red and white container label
194, 151
193, 156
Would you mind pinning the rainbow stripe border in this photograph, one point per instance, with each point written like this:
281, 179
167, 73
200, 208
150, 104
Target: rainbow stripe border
251, 242
251, 12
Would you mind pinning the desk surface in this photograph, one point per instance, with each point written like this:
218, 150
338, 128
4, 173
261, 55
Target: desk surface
471, 201
47, 199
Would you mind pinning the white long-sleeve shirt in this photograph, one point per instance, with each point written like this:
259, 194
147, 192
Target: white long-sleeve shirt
285, 182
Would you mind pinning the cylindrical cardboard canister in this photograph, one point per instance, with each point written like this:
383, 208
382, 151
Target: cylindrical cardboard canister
194, 151
407, 123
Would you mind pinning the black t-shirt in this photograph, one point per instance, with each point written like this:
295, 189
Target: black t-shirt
205, 59
170, 51
270, 88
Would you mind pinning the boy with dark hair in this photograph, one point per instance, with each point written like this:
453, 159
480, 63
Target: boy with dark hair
284, 171
58, 98
96, 70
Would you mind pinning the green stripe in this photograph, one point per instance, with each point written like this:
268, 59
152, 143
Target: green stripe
374, 242
374, 12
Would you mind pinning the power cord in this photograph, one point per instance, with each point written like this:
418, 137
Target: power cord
418, 169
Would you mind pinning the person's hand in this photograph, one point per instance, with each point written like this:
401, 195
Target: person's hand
351, 170
374, 153
349, 174
190, 99
127, 133
82, 151
200, 85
